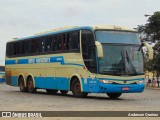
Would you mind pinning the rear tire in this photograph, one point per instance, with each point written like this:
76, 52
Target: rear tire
30, 85
52, 92
114, 95
63, 92
76, 89
22, 85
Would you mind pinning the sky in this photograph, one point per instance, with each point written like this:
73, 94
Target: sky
19, 18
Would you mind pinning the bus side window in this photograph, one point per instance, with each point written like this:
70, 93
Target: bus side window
88, 50
10, 49
55, 42
34, 46
2, 68
73, 40
92, 60
42, 46
17, 48
63, 42
14, 49
48, 44
39, 43
59, 42
25, 47
67, 42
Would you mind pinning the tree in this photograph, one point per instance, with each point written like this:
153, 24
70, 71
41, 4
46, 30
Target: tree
149, 67
150, 32
153, 27
156, 61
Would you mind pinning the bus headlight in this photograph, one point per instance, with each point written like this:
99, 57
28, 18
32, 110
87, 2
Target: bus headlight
105, 81
140, 82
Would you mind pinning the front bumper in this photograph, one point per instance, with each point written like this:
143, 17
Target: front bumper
117, 88
113, 88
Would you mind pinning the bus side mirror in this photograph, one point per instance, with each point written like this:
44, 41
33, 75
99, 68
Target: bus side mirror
99, 49
150, 50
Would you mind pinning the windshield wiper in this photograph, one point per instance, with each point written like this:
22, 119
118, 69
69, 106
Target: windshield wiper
131, 64
123, 62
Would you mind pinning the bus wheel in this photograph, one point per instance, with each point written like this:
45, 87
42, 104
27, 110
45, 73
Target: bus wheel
50, 91
76, 89
30, 85
63, 92
21, 85
114, 95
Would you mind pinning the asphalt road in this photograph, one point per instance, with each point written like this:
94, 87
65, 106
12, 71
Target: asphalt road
11, 99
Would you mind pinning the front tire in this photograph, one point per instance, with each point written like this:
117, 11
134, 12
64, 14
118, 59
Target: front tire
76, 89
114, 95
22, 85
30, 85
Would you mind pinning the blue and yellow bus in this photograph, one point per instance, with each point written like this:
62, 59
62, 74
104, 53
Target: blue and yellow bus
81, 59
2, 74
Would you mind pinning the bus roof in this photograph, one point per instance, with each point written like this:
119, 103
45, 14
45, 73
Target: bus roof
73, 28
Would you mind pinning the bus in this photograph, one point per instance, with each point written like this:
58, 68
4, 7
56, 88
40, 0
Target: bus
81, 59
2, 74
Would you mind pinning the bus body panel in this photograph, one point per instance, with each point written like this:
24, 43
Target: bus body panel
94, 86
2, 76
57, 75
53, 74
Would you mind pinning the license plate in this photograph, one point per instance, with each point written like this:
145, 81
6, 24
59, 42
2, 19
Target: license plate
125, 88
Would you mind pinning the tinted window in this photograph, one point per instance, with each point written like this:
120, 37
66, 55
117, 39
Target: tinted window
48, 44
26, 47
87, 40
13, 48
73, 40
88, 50
92, 60
34, 46
59, 42
45, 44
2, 68
10, 49
55, 42
17, 48
63, 42
39, 45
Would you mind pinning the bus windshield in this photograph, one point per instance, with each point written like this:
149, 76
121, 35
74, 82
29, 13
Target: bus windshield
121, 54
121, 60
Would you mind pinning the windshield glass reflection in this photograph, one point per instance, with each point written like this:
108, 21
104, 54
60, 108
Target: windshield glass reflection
121, 60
